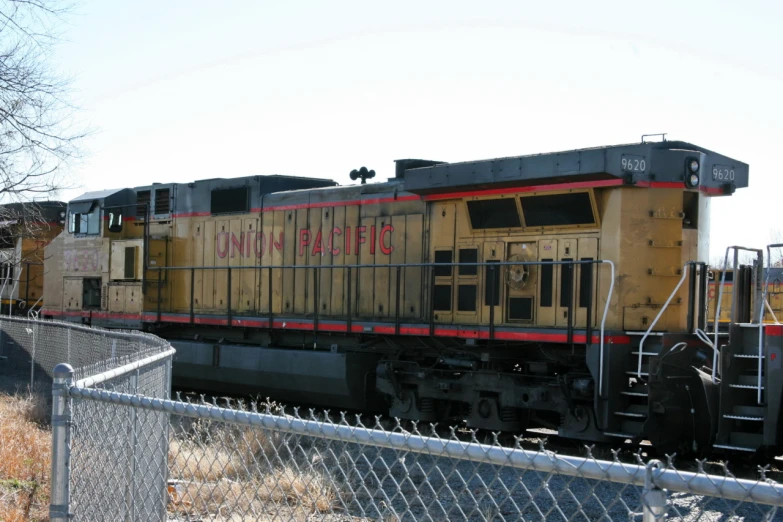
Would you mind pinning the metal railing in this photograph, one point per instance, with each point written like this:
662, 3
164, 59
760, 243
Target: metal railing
191, 461
352, 271
29, 349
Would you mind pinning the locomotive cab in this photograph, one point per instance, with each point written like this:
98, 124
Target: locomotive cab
25, 228
99, 256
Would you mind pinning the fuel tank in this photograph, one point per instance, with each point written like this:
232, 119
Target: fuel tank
291, 376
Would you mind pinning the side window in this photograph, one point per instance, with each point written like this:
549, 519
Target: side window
115, 221
93, 221
74, 221
85, 222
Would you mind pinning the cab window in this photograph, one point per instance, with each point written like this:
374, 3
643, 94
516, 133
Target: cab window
115, 221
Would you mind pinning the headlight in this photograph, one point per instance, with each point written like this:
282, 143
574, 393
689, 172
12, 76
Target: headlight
692, 180
694, 166
62, 213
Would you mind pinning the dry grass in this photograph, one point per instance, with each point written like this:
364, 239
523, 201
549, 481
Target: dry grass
233, 473
25, 459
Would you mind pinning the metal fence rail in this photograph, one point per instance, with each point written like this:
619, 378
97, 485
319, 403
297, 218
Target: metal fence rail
30, 349
221, 463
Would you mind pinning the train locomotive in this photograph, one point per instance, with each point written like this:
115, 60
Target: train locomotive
25, 229
562, 290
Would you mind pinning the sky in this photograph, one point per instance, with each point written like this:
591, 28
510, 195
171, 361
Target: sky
182, 90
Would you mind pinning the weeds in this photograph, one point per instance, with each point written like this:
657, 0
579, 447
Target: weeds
25, 459
225, 470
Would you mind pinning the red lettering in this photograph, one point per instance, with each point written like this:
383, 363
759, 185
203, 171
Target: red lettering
276, 244
238, 244
360, 238
372, 240
386, 250
304, 240
347, 241
259, 251
318, 247
334, 250
222, 252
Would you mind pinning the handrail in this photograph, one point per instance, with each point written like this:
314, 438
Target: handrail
492, 264
771, 311
660, 313
603, 321
736, 249
761, 314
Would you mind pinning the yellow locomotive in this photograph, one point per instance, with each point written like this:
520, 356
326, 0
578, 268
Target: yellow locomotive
544, 290
25, 229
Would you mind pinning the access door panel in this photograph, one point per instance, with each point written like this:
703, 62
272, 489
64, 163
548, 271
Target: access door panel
441, 282
521, 282
566, 276
467, 285
586, 281
491, 275
547, 283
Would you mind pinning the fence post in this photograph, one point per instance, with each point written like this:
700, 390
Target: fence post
130, 488
59, 507
654, 500
32, 358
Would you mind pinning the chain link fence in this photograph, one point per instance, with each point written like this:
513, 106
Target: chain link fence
30, 349
199, 461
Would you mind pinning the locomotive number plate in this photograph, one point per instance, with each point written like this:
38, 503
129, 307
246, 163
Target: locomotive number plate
632, 163
722, 173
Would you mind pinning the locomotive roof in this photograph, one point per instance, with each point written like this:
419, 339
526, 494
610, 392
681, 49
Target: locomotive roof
37, 210
97, 194
634, 163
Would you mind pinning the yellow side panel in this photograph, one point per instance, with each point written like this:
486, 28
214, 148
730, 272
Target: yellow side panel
72, 294
264, 246
313, 252
587, 249
116, 299
441, 236
198, 260
382, 277
547, 278
236, 250
566, 280
325, 275
281, 239
413, 286
210, 255
222, 251
133, 299
247, 277
366, 286
395, 240
338, 281
351, 256
467, 282
290, 245
300, 259
492, 251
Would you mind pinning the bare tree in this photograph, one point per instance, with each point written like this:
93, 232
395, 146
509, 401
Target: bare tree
38, 136
776, 254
